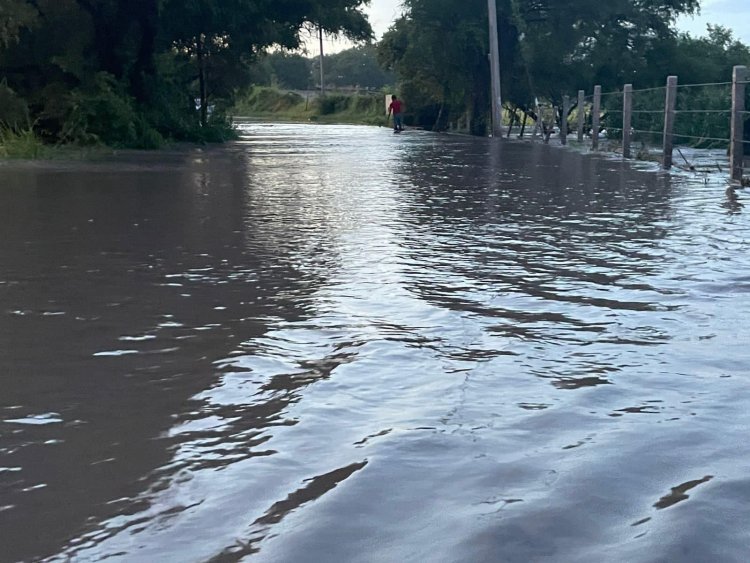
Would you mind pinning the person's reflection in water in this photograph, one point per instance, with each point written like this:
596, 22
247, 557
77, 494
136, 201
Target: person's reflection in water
732, 203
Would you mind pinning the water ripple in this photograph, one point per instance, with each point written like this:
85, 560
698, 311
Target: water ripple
327, 343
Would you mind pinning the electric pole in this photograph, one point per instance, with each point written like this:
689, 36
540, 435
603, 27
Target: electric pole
497, 104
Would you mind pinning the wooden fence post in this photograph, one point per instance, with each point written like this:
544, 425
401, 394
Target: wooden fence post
669, 117
581, 113
627, 118
595, 117
737, 146
564, 120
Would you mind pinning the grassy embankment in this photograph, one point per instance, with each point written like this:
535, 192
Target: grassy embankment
272, 103
25, 144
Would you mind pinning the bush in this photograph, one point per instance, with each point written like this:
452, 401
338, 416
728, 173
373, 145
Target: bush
332, 103
102, 113
14, 112
269, 100
20, 143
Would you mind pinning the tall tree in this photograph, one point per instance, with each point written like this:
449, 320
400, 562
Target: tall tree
548, 47
357, 66
145, 61
228, 34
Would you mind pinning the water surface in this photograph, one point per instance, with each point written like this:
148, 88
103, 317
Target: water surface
338, 344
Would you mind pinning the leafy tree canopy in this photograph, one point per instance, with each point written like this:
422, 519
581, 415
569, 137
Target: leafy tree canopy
158, 56
14, 16
548, 48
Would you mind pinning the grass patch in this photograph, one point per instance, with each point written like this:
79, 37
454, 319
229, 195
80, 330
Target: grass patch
20, 143
358, 109
25, 144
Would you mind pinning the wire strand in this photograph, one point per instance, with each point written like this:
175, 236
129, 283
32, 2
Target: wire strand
704, 85
700, 138
649, 132
650, 89
703, 111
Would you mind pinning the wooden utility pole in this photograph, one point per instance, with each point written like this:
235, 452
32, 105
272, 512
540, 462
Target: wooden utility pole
627, 118
320, 37
201, 55
669, 117
497, 104
737, 146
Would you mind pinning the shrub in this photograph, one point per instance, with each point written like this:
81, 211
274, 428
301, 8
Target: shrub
20, 143
102, 113
269, 100
332, 103
14, 112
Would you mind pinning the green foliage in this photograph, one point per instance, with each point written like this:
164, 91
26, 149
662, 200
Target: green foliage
288, 70
548, 48
14, 111
594, 42
706, 59
20, 143
14, 16
332, 108
354, 67
703, 114
103, 113
337, 17
356, 107
439, 52
270, 100
127, 73
357, 66
222, 36
332, 103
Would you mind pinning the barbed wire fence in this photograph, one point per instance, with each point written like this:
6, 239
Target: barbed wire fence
656, 122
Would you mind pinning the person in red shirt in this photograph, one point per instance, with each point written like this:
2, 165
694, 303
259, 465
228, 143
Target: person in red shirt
398, 117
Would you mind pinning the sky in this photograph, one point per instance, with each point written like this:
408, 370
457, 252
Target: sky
734, 14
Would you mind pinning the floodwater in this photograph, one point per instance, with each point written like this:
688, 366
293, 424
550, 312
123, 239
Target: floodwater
335, 344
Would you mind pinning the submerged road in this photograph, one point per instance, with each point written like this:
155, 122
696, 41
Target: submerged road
339, 344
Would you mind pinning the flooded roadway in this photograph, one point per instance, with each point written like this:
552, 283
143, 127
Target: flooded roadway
337, 344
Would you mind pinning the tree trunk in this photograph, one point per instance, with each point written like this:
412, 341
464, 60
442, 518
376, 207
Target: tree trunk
202, 81
513, 121
523, 125
437, 126
108, 33
144, 67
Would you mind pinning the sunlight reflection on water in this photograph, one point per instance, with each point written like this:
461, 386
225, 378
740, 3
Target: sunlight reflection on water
332, 343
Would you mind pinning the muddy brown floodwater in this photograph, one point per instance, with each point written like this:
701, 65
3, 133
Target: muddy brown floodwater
336, 344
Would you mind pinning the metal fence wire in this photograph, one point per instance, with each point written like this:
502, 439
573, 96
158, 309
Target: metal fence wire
701, 117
